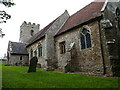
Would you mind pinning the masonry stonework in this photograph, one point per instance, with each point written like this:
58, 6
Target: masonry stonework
61, 41
49, 39
15, 60
34, 47
88, 60
112, 36
26, 29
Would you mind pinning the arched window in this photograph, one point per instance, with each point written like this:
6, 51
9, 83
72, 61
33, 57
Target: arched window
32, 32
62, 47
40, 50
85, 38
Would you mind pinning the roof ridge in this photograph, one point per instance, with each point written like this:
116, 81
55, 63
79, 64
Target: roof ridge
18, 42
81, 9
59, 17
86, 7
89, 12
18, 48
42, 32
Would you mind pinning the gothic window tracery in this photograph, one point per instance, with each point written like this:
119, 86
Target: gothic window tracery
85, 39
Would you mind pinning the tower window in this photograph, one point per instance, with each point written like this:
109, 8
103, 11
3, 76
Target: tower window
62, 47
21, 58
85, 39
32, 32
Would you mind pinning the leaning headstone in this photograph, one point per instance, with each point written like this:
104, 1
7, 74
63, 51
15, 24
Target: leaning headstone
33, 64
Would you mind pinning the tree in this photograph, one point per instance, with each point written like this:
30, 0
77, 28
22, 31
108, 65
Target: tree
3, 15
7, 3
1, 33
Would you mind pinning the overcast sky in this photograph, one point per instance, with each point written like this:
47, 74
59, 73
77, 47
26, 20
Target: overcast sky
36, 11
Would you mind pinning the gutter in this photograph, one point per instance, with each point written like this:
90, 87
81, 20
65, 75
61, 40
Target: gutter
102, 50
19, 54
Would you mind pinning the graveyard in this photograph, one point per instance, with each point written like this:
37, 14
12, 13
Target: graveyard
18, 77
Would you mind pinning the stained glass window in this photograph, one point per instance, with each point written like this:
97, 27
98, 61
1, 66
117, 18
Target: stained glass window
82, 39
88, 40
85, 39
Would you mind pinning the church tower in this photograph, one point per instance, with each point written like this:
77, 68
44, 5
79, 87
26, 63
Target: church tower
27, 30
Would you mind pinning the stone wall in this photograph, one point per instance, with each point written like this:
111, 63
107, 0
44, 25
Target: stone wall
49, 38
112, 36
88, 60
102, 58
48, 45
15, 60
34, 47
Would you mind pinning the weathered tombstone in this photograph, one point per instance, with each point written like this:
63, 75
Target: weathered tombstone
33, 64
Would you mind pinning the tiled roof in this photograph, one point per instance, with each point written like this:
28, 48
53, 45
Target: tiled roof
18, 48
40, 34
91, 11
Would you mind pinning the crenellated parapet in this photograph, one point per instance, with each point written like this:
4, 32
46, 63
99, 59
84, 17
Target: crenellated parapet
27, 30
29, 24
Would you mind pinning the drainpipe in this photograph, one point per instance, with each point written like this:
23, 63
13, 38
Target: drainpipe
102, 50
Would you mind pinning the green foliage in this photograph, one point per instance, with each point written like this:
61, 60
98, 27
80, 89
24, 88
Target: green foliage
8, 4
17, 77
3, 15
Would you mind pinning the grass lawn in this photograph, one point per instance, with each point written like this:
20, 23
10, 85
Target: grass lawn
17, 77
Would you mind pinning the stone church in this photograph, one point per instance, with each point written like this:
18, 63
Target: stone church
87, 41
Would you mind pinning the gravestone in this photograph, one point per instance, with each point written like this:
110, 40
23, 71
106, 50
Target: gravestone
33, 64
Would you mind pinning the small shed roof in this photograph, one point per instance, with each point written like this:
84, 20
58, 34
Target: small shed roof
18, 48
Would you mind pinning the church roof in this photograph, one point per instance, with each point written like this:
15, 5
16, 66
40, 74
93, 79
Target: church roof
18, 48
40, 34
91, 11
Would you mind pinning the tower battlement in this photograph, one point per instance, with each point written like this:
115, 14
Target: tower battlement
27, 30
29, 24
